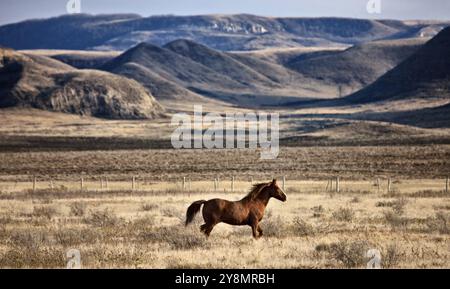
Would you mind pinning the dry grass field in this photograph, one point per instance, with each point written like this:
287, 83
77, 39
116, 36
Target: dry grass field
114, 226
144, 228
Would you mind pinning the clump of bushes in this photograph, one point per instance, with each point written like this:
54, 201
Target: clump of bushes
343, 214
102, 218
350, 254
149, 207
439, 223
274, 227
301, 228
177, 237
77, 209
46, 212
318, 211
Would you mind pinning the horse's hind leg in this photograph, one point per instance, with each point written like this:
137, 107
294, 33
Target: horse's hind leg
207, 228
260, 231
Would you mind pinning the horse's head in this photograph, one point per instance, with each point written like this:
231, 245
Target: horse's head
276, 192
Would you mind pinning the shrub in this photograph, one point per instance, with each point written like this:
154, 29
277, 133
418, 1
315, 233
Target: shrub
349, 254
391, 256
177, 237
439, 223
171, 212
149, 207
430, 194
44, 212
344, 214
73, 237
29, 240
395, 220
105, 218
318, 211
17, 257
78, 209
274, 227
302, 228
399, 205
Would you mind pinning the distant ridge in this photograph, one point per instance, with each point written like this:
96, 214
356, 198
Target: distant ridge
425, 74
221, 32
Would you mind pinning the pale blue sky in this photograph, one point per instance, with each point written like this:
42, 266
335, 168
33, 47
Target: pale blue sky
18, 10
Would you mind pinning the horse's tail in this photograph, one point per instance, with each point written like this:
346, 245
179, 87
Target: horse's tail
193, 209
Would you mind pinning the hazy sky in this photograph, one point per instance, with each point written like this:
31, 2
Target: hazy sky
18, 10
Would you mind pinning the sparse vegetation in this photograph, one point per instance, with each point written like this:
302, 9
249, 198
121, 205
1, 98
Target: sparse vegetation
395, 220
351, 254
78, 209
114, 230
102, 218
302, 228
343, 214
44, 212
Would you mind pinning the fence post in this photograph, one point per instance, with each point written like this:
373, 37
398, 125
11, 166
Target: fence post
81, 183
51, 184
101, 183
389, 185
34, 184
378, 185
337, 185
106, 182
284, 183
251, 180
133, 183
215, 184
232, 184
184, 183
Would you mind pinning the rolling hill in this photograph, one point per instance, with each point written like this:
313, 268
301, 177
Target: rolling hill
221, 32
40, 82
194, 70
356, 67
425, 74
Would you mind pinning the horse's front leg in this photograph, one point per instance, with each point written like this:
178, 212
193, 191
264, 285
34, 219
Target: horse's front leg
255, 224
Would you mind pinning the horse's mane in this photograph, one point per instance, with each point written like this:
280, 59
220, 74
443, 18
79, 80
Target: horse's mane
256, 189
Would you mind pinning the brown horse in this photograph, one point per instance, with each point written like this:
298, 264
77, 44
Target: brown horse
248, 211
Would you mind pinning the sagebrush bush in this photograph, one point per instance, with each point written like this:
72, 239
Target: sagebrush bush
102, 218
399, 205
78, 209
349, 254
391, 256
17, 257
318, 211
343, 214
149, 207
395, 220
44, 212
301, 228
177, 237
274, 227
74, 237
439, 223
